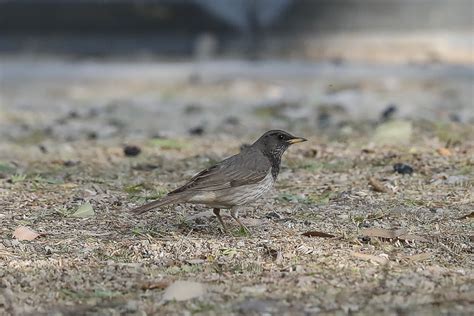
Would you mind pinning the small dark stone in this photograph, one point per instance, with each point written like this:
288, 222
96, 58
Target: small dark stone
198, 130
402, 168
73, 114
324, 120
131, 150
43, 148
388, 113
244, 146
232, 120
71, 163
92, 135
193, 108
48, 250
454, 117
93, 112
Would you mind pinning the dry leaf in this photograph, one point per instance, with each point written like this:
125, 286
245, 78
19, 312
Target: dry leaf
445, 152
25, 233
418, 257
381, 259
378, 186
470, 215
184, 290
410, 237
382, 232
155, 285
315, 233
85, 210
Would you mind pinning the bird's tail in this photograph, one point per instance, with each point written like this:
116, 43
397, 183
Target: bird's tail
168, 199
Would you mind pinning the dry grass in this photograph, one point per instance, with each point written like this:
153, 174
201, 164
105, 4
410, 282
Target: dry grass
112, 263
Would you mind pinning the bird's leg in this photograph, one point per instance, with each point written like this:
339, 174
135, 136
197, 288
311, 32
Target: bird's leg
217, 212
234, 212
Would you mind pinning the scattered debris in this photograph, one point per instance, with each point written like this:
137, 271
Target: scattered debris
392, 234
315, 233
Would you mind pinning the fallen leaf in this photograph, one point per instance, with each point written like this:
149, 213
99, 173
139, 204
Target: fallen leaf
470, 215
411, 237
418, 257
184, 290
382, 232
378, 186
381, 259
155, 285
85, 210
315, 233
445, 152
25, 233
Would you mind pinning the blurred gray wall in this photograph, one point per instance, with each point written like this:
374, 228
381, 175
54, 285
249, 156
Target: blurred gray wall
316, 29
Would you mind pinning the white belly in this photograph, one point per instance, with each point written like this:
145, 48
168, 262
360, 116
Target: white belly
234, 196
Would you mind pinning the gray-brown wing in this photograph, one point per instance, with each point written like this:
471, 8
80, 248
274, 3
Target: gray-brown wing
248, 167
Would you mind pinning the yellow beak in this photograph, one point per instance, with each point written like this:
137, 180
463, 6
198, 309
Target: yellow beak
297, 140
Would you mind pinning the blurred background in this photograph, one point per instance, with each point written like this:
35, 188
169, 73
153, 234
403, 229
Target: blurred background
91, 69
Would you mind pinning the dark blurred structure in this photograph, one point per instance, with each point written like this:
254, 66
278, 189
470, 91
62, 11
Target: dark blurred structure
370, 29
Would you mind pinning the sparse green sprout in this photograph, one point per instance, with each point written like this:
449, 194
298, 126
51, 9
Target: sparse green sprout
18, 177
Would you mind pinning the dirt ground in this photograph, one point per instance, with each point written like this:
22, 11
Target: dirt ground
341, 232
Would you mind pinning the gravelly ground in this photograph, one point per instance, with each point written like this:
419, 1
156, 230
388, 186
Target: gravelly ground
55, 156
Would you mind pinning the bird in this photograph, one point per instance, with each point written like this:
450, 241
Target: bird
235, 181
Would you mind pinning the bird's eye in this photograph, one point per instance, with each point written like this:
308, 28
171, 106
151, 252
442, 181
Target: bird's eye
281, 137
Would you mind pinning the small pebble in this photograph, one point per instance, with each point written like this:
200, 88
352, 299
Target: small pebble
388, 113
131, 150
92, 135
232, 120
198, 130
43, 148
402, 168
48, 250
71, 163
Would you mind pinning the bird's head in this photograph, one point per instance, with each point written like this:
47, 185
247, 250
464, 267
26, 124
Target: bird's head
276, 142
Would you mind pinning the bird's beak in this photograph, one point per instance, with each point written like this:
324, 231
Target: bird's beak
297, 140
